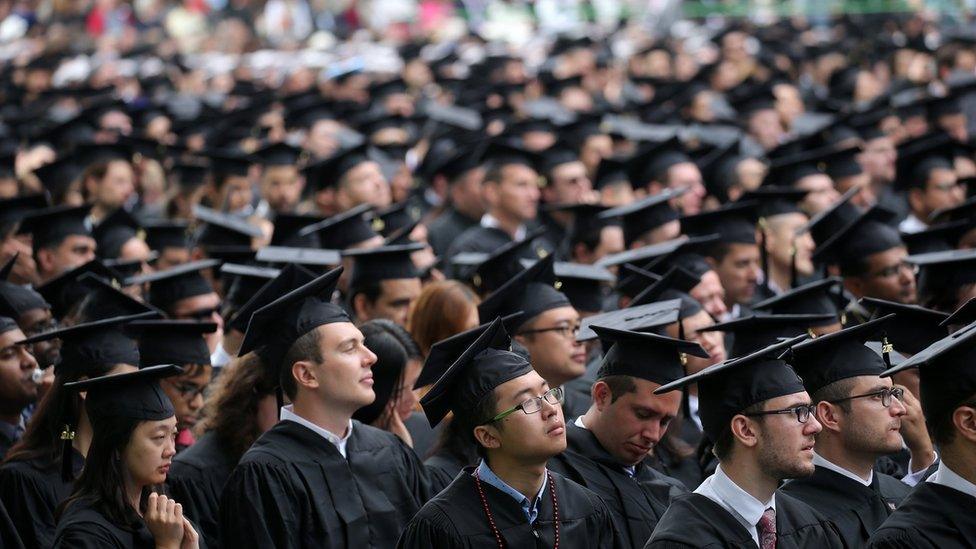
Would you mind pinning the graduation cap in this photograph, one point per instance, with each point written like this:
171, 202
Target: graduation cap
287, 227
963, 316
918, 157
557, 155
190, 173
278, 154
15, 300
586, 220
646, 214
499, 153
241, 282
276, 326
757, 331
642, 318
133, 395
114, 231
51, 226
446, 351
825, 224
57, 176
582, 284
728, 388
328, 172
868, 234
487, 363
396, 217
611, 171
734, 223
222, 229
913, 327
180, 282
644, 254
676, 283
532, 291
343, 230
656, 358
845, 164
946, 374
820, 297
228, 163
939, 271
311, 257
382, 263
88, 154
17, 208
453, 162
166, 234
178, 342
775, 200
65, 291
718, 169
488, 272
937, 238
840, 355
290, 277
653, 163
92, 344
786, 171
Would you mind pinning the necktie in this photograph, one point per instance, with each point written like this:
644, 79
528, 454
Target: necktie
767, 529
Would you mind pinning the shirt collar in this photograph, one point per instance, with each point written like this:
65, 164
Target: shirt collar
288, 414
693, 410
950, 479
748, 507
821, 461
489, 221
629, 469
530, 508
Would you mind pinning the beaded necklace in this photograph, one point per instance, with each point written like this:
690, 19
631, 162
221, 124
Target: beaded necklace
491, 520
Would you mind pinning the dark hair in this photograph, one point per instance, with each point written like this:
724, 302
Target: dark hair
836, 391
944, 297
383, 337
619, 385
103, 478
370, 288
942, 428
718, 251
306, 347
231, 410
854, 267
457, 438
96, 171
723, 446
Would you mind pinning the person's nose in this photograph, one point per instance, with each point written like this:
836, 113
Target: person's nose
369, 358
27, 361
897, 408
652, 432
812, 426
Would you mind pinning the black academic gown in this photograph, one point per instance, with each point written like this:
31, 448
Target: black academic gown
932, 516
442, 469
857, 510
31, 491
635, 502
196, 479
84, 527
455, 519
293, 488
442, 231
9, 538
488, 239
575, 403
694, 520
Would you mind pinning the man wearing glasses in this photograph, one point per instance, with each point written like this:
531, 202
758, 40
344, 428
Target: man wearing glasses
516, 423
759, 415
861, 415
930, 179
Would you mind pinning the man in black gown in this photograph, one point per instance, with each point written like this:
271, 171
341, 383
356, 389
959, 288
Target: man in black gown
318, 478
939, 512
607, 446
510, 499
861, 414
757, 411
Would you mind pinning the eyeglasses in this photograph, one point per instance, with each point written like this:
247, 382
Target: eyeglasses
566, 331
188, 391
885, 395
895, 270
532, 405
946, 187
802, 412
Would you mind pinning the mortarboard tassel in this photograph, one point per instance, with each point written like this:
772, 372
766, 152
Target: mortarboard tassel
886, 348
793, 265
763, 253
279, 399
67, 440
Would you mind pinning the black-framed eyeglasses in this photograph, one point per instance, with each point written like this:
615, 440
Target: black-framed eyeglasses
802, 412
895, 270
188, 391
532, 405
570, 331
885, 395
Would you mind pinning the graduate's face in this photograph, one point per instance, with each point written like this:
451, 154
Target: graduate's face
516, 196
186, 393
345, 375
529, 436
17, 388
781, 240
887, 277
821, 193
556, 354
710, 293
393, 303
632, 423
739, 271
150, 451
282, 187
785, 446
36, 321
74, 251
687, 175
870, 428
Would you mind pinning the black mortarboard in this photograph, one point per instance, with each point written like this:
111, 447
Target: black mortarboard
820, 297
676, 283
633, 280
483, 366
653, 163
342, 230
825, 224
918, 157
840, 355
555, 156
610, 171
964, 211
787, 170
452, 162
646, 214
91, 153
728, 388
500, 153
180, 282
133, 395
278, 154
223, 229
228, 163
114, 231
275, 327
52, 225
757, 331
963, 316
868, 234
532, 291
488, 272
382, 263
58, 176
946, 374
941, 271
190, 173
64, 291
93, 344
179, 342
446, 351
326, 173
290, 277
15, 299
642, 318
845, 164
734, 223
101, 299
658, 359
287, 227
774, 200
587, 221
583, 285
241, 282
17, 208
310, 257
166, 234
913, 328
937, 238
396, 217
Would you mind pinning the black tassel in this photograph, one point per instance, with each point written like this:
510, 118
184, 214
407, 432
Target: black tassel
67, 440
793, 265
763, 253
280, 399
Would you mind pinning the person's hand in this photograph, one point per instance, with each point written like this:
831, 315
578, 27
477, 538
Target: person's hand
164, 518
390, 421
191, 540
915, 433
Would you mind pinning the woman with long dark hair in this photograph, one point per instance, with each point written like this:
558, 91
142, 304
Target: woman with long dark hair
393, 377
115, 502
39, 470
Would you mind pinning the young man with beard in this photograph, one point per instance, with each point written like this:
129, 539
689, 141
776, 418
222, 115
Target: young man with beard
510, 499
17, 389
318, 478
760, 417
607, 446
861, 416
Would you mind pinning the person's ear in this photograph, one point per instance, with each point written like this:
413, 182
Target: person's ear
964, 420
829, 415
916, 199
854, 285
304, 373
360, 307
745, 430
487, 436
654, 187
601, 394
45, 260
712, 264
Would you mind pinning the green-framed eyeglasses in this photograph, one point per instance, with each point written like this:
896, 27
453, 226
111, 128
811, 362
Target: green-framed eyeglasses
532, 405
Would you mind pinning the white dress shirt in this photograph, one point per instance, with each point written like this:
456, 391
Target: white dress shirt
912, 224
950, 479
693, 411
821, 461
489, 221
739, 503
220, 357
287, 414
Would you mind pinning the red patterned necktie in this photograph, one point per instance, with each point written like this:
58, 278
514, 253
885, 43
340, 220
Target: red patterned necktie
767, 529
